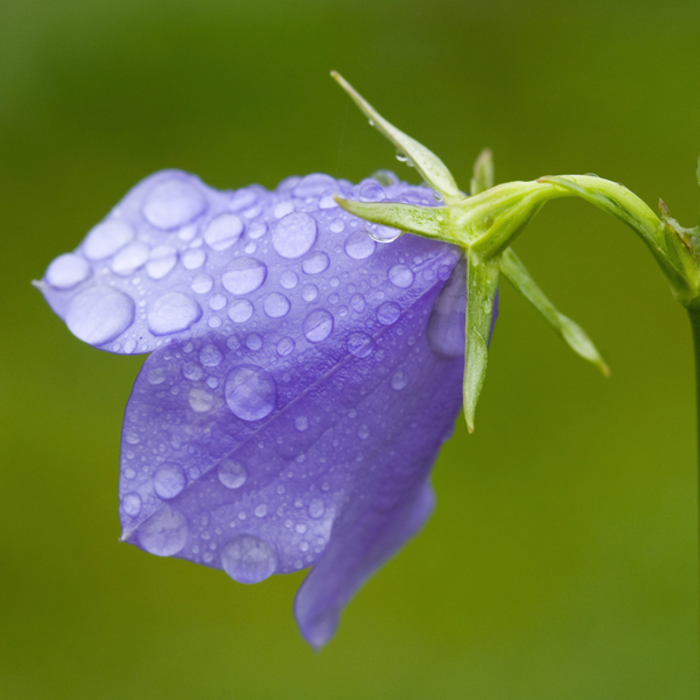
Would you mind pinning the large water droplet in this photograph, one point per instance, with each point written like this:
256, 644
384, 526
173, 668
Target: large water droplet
164, 533
289, 279
388, 313
248, 559
161, 261
251, 392
193, 259
401, 276
173, 312
106, 239
231, 474
294, 235
240, 311
318, 325
130, 258
359, 245
169, 480
100, 314
244, 275
314, 185
67, 271
131, 504
316, 263
174, 203
276, 305
223, 231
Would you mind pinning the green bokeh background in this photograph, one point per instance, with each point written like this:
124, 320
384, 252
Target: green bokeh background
562, 559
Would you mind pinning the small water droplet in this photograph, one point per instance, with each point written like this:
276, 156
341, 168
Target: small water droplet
276, 305
169, 480
240, 311
244, 275
385, 178
294, 235
310, 292
254, 341
285, 346
200, 401
223, 231
217, 302
156, 376
314, 185
231, 474
100, 314
173, 312
174, 203
260, 510
202, 283
382, 234
161, 261
210, 356
164, 533
256, 231
193, 259
357, 303
131, 503
282, 209
401, 157
388, 313
192, 371
129, 473
399, 380
300, 528
363, 432
359, 344
301, 423
372, 192
288, 279
316, 508
248, 559
251, 392
318, 325
315, 264
130, 258
337, 226
359, 245
401, 276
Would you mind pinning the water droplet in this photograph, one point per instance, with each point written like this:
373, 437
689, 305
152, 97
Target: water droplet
337, 226
169, 481
161, 261
131, 503
231, 474
285, 346
173, 203
310, 292
401, 276
256, 231
359, 245
250, 247
254, 341
282, 209
357, 303
372, 192
316, 263
106, 239
193, 259
276, 305
192, 371
223, 231
210, 356
244, 275
173, 312
301, 423
217, 302
363, 432
334, 281
241, 199
327, 202
437, 196
251, 392
240, 311
401, 157
202, 283
129, 346
294, 235
212, 382
359, 344
289, 279
98, 315
316, 508
156, 376
388, 313
399, 380
260, 510
130, 258
382, 234
301, 528
67, 271
385, 178
318, 325
248, 559
314, 185
164, 533
200, 400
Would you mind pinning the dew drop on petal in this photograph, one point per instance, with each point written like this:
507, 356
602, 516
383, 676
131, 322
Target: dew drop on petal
161, 261
359, 245
192, 371
288, 279
173, 203
169, 480
231, 474
310, 292
240, 311
314, 185
399, 380
217, 302
388, 313
282, 209
337, 226
173, 312
68, 270
401, 276
316, 508
254, 341
202, 283
251, 392
359, 344
294, 235
248, 559
210, 356
200, 400
260, 510
131, 504
244, 275
130, 258
301, 423
276, 305
106, 239
285, 346
315, 264
363, 432
223, 231
382, 234
318, 325
193, 259
100, 314
357, 303
164, 533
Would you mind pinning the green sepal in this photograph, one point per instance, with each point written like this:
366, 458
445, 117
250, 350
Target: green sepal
482, 283
431, 168
571, 332
483, 177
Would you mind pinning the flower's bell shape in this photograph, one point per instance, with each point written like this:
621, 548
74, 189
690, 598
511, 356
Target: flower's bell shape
303, 375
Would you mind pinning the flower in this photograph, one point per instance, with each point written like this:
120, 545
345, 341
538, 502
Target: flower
303, 375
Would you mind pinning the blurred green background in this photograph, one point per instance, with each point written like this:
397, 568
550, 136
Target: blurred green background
562, 559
